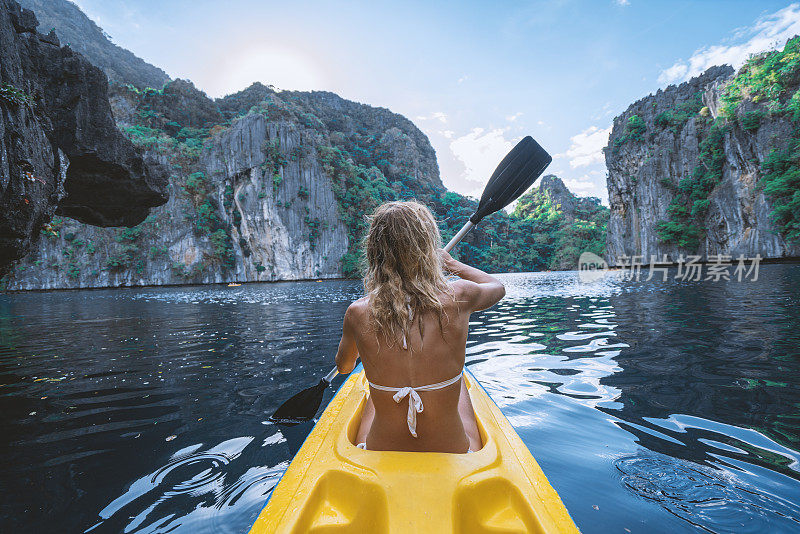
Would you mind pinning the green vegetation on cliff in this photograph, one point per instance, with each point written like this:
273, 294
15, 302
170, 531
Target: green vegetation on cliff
676, 118
207, 219
13, 96
553, 231
690, 204
766, 87
772, 79
781, 183
635, 129
359, 190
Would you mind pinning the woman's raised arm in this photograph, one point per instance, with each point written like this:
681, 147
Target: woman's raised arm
478, 289
347, 355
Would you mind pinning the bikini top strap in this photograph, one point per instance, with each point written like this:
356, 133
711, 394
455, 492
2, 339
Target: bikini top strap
410, 318
415, 405
426, 387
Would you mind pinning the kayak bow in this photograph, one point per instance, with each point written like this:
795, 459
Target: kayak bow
333, 486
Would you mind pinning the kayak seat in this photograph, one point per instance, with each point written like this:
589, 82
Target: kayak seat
342, 502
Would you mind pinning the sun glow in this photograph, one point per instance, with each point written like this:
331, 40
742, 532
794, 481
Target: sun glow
284, 68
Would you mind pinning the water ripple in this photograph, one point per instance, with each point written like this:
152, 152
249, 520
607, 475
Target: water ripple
653, 407
712, 500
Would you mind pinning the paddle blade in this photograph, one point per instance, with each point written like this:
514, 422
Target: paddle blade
302, 406
515, 174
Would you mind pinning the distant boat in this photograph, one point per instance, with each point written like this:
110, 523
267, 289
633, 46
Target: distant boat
234, 284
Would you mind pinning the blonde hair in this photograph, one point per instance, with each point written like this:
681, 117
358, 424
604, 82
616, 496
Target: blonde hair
404, 274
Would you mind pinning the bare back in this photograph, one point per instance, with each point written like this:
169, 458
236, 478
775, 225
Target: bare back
436, 356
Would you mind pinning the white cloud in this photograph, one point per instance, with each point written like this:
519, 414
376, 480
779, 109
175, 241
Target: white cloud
436, 115
767, 33
622, 2
463, 79
592, 183
447, 133
515, 116
580, 186
587, 147
480, 151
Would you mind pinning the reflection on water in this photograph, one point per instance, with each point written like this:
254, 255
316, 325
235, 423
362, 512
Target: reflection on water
651, 406
146, 410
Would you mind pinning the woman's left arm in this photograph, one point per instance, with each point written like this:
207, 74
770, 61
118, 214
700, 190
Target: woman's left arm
347, 355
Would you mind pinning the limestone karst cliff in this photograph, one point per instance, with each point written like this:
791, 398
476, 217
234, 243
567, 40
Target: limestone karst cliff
704, 167
60, 149
264, 186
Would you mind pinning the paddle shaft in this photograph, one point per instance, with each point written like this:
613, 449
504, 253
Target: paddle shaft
459, 236
447, 248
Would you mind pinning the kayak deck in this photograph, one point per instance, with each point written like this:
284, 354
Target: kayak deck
332, 486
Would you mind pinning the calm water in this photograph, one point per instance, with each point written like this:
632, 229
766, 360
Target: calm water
652, 407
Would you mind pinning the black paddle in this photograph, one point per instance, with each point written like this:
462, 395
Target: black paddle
512, 177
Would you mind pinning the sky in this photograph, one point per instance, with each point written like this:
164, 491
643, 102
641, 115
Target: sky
474, 76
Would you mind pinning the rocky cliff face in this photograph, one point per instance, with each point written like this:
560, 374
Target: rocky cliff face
291, 226
269, 189
59, 147
78, 31
268, 226
372, 136
686, 169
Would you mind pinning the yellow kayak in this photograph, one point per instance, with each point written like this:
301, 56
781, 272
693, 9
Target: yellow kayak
332, 486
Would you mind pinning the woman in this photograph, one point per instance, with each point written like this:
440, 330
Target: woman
410, 331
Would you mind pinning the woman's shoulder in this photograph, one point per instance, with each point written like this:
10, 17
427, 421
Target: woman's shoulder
356, 315
358, 308
463, 289
465, 293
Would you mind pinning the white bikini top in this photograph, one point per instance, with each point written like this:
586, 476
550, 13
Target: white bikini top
414, 400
